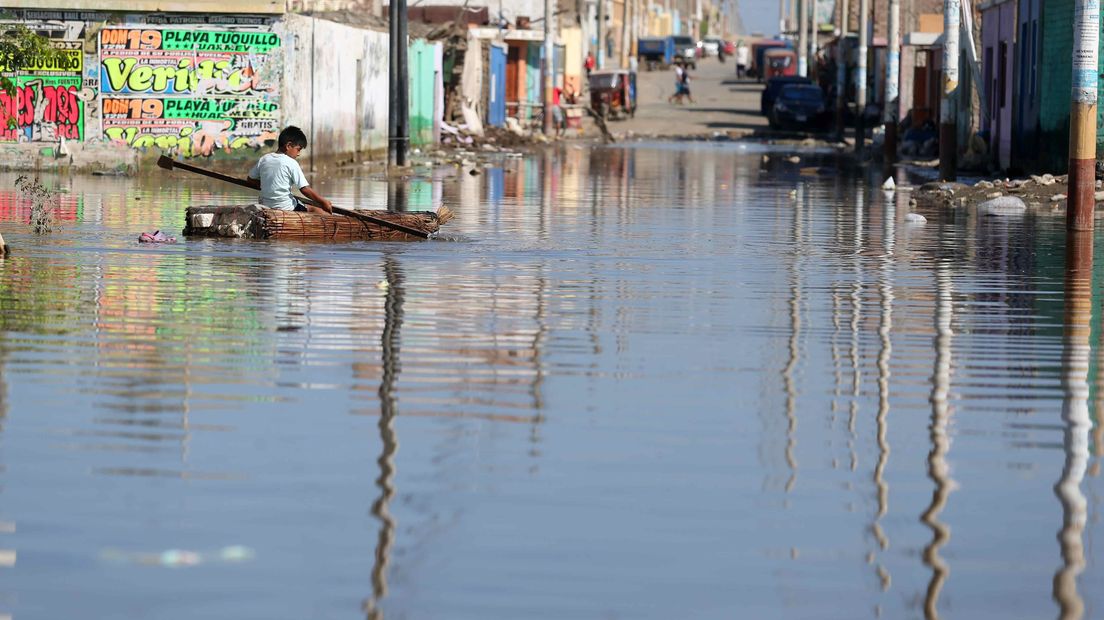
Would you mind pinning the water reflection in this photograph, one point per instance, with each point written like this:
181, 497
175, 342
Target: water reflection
939, 469
885, 353
582, 383
1076, 353
390, 350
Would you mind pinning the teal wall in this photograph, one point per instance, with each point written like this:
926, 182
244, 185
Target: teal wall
1055, 84
423, 78
532, 75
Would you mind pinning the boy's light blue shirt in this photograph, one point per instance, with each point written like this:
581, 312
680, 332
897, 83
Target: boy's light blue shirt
279, 174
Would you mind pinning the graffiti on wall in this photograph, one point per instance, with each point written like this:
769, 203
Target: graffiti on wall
194, 90
47, 104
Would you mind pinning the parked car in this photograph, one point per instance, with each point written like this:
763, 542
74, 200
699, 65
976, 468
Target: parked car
729, 48
686, 51
799, 106
710, 46
771, 90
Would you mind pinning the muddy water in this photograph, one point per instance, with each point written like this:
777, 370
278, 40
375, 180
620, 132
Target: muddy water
648, 382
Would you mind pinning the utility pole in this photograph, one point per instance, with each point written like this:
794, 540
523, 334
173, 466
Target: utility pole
812, 37
547, 68
398, 117
948, 104
841, 69
893, 74
781, 16
601, 55
626, 32
1082, 146
802, 38
862, 77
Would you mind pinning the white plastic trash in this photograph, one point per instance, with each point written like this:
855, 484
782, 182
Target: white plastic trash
1005, 205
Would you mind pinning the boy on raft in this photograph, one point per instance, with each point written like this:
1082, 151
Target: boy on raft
277, 174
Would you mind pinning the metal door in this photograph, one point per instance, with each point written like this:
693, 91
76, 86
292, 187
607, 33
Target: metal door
496, 102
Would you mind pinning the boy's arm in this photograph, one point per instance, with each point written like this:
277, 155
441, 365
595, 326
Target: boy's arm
315, 196
254, 177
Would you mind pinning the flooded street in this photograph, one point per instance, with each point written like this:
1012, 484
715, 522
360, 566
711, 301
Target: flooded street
645, 381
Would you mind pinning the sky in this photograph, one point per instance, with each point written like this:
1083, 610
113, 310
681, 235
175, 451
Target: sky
760, 15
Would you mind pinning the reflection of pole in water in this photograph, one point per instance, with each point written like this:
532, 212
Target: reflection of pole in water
793, 348
856, 324
885, 349
397, 198
938, 468
1075, 415
389, 344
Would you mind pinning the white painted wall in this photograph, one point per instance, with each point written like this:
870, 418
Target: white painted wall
320, 87
510, 9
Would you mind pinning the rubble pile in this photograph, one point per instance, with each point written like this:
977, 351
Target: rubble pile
1046, 193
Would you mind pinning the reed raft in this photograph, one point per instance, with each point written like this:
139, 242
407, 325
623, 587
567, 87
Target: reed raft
256, 222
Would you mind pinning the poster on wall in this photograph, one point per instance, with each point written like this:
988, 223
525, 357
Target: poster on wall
194, 90
47, 105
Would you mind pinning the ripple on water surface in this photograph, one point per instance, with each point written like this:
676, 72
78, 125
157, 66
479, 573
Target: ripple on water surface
642, 381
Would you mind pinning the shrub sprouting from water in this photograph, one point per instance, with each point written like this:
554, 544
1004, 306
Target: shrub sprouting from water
42, 203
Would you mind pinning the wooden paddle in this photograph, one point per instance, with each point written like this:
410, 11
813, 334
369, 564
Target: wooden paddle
169, 163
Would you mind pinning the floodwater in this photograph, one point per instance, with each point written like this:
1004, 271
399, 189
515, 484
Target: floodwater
653, 381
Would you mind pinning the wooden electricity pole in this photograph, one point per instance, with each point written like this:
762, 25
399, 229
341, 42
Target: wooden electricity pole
802, 38
841, 69
948, 104
892, 87
547, 67
863, 78
1083, 102
398, 116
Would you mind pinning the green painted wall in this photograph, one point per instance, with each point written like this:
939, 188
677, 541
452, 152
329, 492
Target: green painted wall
533, 76
1055, 83
423, 77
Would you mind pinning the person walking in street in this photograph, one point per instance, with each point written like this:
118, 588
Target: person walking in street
743, 54
588, 64
676, 97
686, 85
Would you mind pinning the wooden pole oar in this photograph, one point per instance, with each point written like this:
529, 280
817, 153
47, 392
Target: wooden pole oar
169, 163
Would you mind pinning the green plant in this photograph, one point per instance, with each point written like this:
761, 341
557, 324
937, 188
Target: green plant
42, 203
20, 47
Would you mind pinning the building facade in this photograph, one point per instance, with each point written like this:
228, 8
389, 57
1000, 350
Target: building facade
191, 79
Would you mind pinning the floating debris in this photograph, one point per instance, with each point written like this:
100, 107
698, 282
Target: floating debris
1003, 205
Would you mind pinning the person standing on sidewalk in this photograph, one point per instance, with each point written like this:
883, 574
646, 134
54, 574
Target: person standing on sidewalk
743, 54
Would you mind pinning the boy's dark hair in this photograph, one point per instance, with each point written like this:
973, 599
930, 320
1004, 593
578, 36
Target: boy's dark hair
293, 136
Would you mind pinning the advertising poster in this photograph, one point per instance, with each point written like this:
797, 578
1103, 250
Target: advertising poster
46, 105
196, 90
